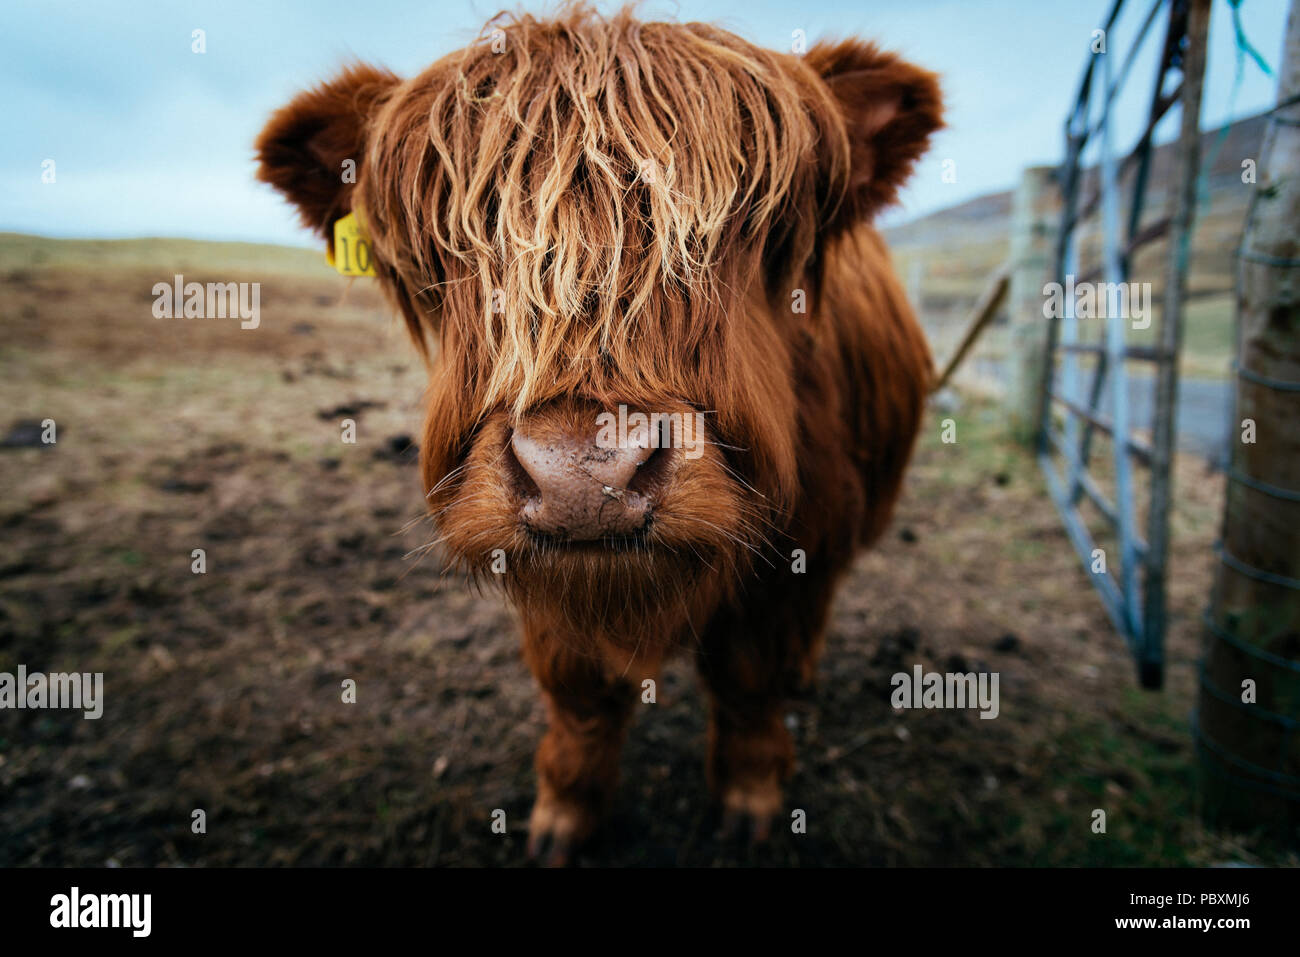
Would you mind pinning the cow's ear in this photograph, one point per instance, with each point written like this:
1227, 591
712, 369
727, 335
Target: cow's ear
305, 149
889, 108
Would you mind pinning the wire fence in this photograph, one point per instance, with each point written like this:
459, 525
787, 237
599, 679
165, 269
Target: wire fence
1132, 590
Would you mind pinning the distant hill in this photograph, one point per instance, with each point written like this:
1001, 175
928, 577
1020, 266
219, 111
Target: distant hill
21, 251
946, 258
992, 211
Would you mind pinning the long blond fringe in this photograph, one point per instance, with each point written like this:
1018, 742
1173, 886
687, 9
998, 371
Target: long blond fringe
594, 193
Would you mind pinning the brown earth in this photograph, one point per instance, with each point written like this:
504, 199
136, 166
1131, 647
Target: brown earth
224, 690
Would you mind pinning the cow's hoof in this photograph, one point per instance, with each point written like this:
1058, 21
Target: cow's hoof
749, 809
557, 828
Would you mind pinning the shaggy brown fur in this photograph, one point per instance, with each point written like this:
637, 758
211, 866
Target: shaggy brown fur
578, 212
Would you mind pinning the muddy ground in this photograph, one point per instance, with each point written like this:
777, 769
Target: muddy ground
223, 690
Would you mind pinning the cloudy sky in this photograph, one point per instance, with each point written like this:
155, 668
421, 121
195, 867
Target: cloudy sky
152, 139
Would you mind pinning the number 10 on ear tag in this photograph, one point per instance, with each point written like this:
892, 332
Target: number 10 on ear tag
351, 254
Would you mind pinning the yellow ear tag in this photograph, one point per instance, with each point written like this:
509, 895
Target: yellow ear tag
352, 244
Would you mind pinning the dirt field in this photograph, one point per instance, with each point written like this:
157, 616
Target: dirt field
223, 690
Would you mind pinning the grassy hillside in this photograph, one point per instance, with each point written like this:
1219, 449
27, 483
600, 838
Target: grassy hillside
19, 251
946, 258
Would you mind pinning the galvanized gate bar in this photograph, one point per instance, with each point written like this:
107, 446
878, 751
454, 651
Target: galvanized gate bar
1133, 594
1137, 448
1115, 362
1139, 353
1083, 544
1089, 487
1170, 335
1113, 86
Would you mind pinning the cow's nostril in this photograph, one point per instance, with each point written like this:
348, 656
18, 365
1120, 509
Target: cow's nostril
652, 474
570, 487
521, 484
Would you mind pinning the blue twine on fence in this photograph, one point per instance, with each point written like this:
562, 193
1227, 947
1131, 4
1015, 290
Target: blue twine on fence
1244, 49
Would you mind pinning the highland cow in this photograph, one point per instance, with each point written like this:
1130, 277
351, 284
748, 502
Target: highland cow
586, 215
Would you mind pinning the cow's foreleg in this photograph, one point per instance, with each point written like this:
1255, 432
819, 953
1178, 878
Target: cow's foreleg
577, 761
752, 657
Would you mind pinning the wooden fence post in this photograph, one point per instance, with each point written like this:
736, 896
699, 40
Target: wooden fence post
1033, 222
1248, 716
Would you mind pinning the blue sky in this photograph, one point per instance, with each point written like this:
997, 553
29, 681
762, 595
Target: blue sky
151, 139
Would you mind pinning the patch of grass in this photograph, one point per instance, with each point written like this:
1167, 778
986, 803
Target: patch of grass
20, 252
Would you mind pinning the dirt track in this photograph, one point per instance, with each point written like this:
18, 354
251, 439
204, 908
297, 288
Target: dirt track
223, 689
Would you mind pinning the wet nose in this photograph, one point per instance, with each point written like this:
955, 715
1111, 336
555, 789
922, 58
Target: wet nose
577, 490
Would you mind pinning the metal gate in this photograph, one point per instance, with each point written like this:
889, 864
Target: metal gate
1134, 594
